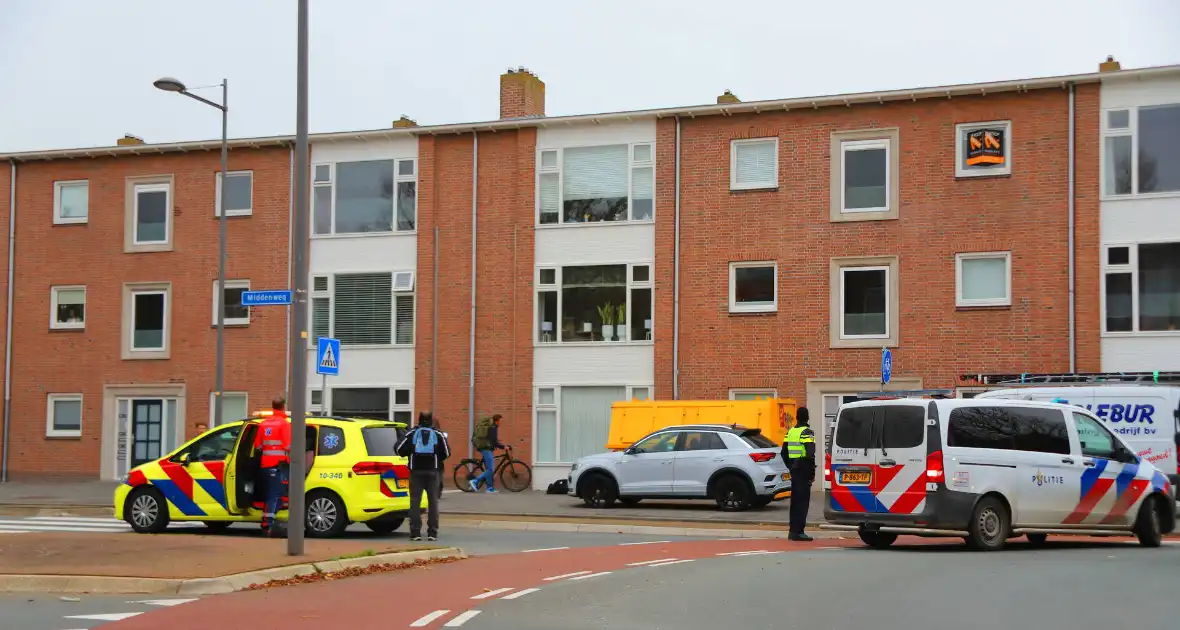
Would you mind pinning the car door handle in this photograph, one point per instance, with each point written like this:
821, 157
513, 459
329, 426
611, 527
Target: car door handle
1089, 463
887, 462
1066, 460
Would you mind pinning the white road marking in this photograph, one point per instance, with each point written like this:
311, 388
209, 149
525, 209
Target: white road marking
754, 553
13, 531
162, 602
648, 542
492, 593
426, 620
545, 549
582, 577
105, 617
827, 548
565, 575
101, 520
461, 619
521, 593
639, 564
664, 564
74, 524
741, 553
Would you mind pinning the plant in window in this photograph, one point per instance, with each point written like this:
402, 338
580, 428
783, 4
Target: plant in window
606, 313
621, 320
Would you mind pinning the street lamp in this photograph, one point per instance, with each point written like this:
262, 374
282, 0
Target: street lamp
170, 84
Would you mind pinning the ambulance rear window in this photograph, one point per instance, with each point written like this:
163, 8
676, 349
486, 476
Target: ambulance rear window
380, 441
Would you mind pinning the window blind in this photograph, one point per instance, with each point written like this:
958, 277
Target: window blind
364, 308
755, 163
595, 172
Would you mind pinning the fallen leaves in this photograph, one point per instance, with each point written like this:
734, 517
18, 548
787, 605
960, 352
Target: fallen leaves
372, 569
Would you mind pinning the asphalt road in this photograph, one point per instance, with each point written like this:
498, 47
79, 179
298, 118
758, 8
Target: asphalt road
1063, 586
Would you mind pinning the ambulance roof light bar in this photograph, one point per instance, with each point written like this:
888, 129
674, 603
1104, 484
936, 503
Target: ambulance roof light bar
1072, 378
907, 393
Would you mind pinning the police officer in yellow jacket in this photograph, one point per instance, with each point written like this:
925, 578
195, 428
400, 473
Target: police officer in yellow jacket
799, 454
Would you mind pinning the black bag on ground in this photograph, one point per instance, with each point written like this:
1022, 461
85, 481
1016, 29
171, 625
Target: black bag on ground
561, 486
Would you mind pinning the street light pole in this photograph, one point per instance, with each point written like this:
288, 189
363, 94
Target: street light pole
299, 340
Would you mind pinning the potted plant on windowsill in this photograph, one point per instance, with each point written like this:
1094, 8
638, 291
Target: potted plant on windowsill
606, 313
621, 323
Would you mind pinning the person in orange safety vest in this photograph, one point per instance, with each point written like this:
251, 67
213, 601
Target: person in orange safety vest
274, 440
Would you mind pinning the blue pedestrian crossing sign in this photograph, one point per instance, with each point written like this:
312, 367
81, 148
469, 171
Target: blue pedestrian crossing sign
327, 353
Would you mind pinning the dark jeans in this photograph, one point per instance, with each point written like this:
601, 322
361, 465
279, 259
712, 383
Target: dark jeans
275, 479
800, 499
428, 481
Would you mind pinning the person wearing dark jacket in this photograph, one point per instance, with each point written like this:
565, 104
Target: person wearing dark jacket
799, 454
487, 446
426, 449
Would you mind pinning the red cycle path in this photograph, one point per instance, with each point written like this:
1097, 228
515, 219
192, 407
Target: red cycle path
395, 600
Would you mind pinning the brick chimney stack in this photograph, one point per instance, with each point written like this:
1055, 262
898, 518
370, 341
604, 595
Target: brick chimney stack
129, 140
728, 97
522, 94
403, 122
1110, 65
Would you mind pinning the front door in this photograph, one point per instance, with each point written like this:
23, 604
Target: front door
648, 466
899, 481
147, 430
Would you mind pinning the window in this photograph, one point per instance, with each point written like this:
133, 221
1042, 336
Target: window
854, 428
234, 406
753, 164
640, 393
1095, 439
864, 302
239, 194
64, 415
546, 429
1141, 288
146, 314
152, 214
864, 175
757, 440
983, 149
660, 443
214, 447
71, 202
752, 394
703, 441
364, 308
904, 426
832, 404
67, 308
983, 279
235, 313
753, 287
594, 303
596, 184
361, 402
331, 440
1009, 428
1140, 152
380, 441
574, 421
365, 197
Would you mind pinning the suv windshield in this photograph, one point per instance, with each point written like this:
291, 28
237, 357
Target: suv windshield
380, 440
757, 440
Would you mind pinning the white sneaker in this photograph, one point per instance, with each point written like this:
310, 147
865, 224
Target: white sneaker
474, 486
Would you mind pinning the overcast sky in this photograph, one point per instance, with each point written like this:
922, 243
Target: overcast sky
77, 73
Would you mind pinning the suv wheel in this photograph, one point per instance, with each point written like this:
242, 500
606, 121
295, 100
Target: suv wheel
989, 527
598, 491
732, 494
1148, 526
877, 540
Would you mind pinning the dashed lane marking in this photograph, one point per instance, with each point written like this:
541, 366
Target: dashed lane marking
427, 619
461, 619
646, 542
583, 577
664, 564
545, 549
520, 593
565, 575
492, 593
162, 602
742, 553
639, 564
105, 617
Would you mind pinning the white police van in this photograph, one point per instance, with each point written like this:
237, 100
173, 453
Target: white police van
987, 470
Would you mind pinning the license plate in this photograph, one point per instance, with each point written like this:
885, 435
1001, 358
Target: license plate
855, 477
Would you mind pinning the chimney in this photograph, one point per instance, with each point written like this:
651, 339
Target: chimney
1110, 65
728, 97
129, 140
522, 94
403, 122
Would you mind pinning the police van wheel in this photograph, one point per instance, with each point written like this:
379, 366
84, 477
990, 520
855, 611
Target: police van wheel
1148, 527
147, 511
326, 515
989, 527
877, 540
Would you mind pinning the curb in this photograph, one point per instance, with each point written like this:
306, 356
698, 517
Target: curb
606, 528
205, 586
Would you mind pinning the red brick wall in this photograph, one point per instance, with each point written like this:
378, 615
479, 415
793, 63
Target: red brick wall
940, 216
5, 213
55, 361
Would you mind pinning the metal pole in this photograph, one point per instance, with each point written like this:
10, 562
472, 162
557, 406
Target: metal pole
298, 402
218, 397
323, 394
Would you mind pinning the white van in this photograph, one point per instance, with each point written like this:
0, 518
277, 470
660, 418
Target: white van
988, 470
1147, 417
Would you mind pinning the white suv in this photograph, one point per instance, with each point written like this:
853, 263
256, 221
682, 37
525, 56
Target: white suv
736, 467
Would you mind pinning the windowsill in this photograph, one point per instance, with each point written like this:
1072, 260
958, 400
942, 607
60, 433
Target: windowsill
67, 328
1156, 195
743, 313
859, 216
413, 232
552, 226
961, 176
1146, 333
983, 307
234, 213
758, 188
63, 436
229, 324
592, 344
59, 221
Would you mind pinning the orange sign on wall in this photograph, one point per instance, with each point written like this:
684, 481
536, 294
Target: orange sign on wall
985, 147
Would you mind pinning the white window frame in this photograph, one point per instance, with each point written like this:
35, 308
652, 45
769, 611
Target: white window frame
326, 397
158, 187
218, 296
845, 270
58, 219
50, 431
1132, 267
164, 337
1132, 130
556, 287
56, 325
331, 184
961, 131
330, 295
217, 195
733, 151
866, 145
555, 407
559, 169
734, 306
213, 405
1004, 301
765, 392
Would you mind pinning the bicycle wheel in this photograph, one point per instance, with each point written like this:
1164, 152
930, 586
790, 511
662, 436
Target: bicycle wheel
465, 472
516, 475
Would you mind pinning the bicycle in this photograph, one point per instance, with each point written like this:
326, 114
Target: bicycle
515, 475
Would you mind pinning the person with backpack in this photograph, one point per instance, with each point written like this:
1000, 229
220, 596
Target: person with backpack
425, 449
486, 440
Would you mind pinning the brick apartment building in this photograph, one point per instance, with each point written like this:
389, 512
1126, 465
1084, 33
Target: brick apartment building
543, 267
